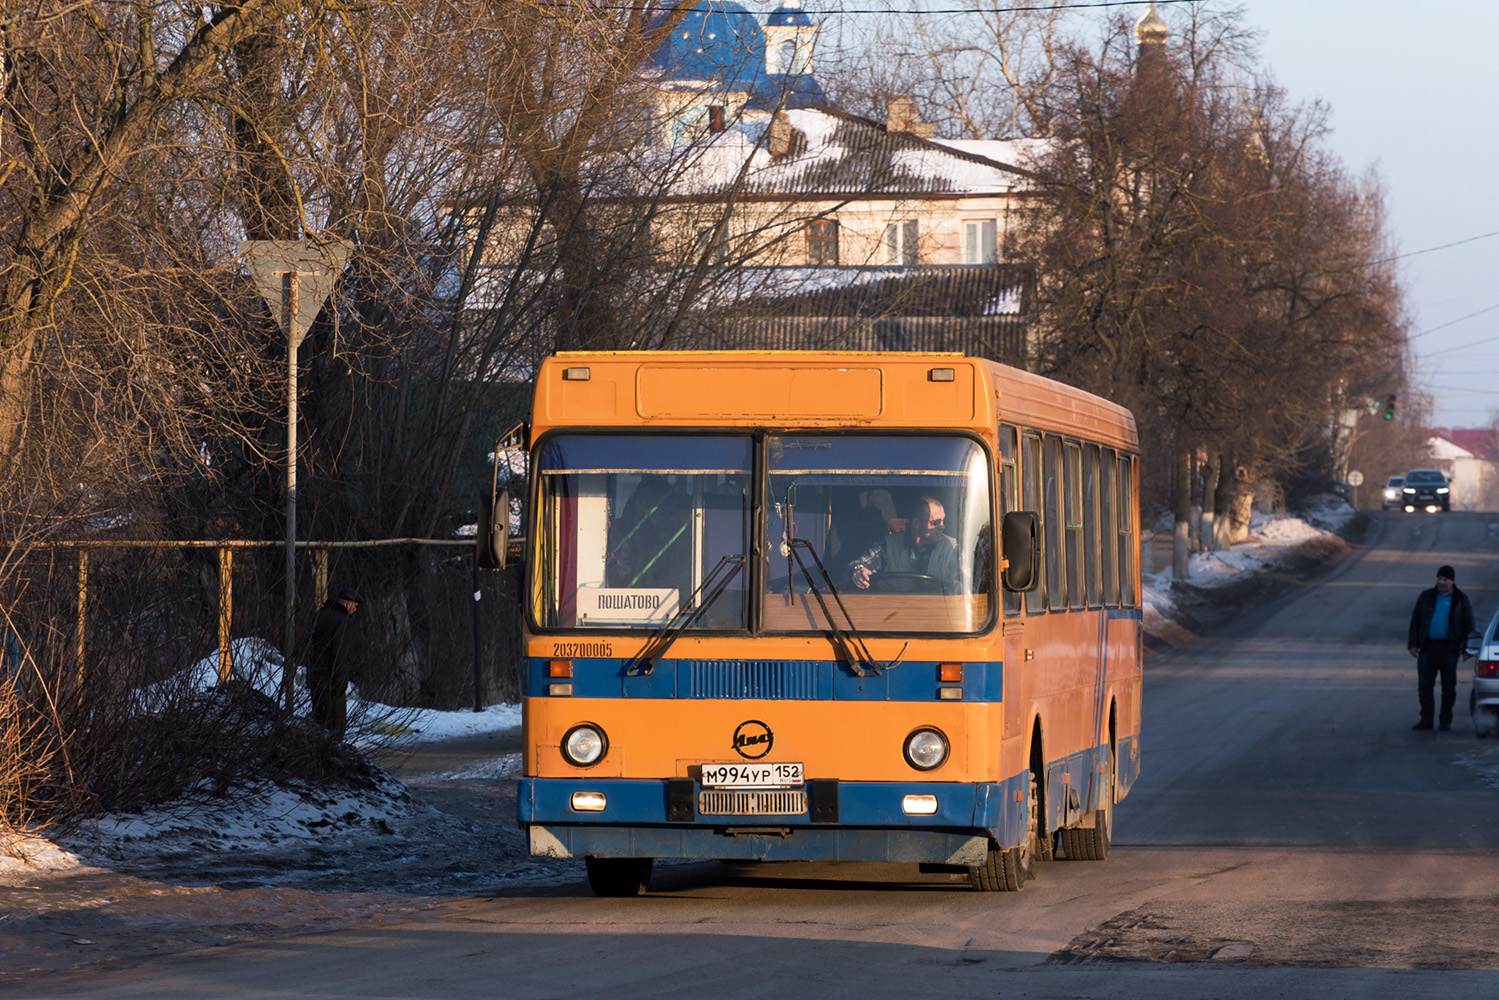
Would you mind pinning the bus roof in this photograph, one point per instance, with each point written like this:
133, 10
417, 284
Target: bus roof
813, 390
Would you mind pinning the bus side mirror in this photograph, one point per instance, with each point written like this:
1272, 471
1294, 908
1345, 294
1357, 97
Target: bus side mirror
493, 539
1020, 544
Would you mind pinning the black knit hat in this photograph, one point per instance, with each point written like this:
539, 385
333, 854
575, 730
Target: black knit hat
350, 594
1446, 571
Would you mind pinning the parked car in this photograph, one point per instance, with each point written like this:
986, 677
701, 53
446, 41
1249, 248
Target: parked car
1426, 489
1392, 492
1483, 703
1343, 491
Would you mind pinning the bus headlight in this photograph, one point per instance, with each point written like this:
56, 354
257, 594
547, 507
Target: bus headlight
926, 749
584, 745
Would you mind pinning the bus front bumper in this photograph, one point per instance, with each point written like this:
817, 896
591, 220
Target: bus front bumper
840, 821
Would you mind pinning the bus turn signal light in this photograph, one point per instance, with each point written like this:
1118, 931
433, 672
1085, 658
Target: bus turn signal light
950, 673
560, 668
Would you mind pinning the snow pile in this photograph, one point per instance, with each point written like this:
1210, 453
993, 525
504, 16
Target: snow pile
266, 818
258, 664
1272, 539
256, 818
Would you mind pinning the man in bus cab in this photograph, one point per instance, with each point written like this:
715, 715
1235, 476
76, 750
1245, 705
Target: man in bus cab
923, 557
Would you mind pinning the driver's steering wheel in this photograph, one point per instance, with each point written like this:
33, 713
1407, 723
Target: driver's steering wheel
905, 583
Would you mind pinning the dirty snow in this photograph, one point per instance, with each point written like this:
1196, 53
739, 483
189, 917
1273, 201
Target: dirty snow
1271, 536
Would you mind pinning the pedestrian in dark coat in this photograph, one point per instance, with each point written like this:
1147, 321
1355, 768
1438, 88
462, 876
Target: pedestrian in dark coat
328, 667
1441, 622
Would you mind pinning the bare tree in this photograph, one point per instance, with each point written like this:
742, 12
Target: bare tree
1203, 260
983, 74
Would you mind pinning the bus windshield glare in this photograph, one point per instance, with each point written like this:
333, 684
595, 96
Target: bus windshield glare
630, 527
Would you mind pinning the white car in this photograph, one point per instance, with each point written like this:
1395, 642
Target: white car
1484, 702
1392, 496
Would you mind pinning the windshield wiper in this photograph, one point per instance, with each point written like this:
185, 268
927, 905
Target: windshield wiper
863, 664
660, 641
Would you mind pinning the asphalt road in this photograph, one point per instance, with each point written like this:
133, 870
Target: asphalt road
1289, 836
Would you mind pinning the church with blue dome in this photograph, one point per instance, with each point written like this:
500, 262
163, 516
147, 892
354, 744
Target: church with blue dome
721, 48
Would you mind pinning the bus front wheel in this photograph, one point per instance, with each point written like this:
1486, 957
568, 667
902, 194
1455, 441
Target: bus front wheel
1006, 869
618, 876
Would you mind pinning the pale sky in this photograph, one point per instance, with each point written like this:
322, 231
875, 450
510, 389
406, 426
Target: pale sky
1410, 90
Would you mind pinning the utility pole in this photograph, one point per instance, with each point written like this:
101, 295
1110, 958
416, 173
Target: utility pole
295, 277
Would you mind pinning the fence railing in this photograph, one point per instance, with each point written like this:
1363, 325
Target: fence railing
226, 549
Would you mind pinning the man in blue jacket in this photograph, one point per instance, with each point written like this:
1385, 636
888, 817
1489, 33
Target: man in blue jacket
1440, 625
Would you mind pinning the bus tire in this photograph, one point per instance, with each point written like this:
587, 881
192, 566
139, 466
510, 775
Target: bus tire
1006, 869
1000, 872
618, 876
1091, 843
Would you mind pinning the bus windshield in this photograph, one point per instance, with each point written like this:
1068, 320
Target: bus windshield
901, 524
630, 526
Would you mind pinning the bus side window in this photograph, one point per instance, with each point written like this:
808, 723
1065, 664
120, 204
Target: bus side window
1055, 528
1009, 496
1092, 575
1108, 480
1072, 455
1128, 546
1030, 474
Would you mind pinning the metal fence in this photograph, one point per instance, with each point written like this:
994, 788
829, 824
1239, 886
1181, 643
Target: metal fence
433, 631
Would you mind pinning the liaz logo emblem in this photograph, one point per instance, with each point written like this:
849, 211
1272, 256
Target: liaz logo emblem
753, 739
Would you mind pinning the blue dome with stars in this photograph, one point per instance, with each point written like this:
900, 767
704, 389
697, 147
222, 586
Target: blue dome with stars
722, 42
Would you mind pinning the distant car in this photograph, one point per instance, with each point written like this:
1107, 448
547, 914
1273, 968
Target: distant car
1343, 491
1484, 701
1392, 492
1425, 489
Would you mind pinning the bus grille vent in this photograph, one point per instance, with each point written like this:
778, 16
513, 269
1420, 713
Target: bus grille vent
751, 803
771, 679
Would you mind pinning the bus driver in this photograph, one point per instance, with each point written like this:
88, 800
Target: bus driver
923, 550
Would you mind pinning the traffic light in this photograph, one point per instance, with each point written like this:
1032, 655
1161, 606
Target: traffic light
1389, 407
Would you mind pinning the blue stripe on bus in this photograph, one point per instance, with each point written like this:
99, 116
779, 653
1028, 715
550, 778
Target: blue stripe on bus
765, 680
995, 809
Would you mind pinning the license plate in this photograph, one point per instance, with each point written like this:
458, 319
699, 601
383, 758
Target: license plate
756, 775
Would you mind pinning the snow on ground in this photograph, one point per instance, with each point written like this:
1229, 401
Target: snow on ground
269, 818
428, 725
1271, 537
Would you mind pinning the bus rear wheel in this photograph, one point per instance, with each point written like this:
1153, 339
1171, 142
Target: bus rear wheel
1092, 843
618, 876
1006, 869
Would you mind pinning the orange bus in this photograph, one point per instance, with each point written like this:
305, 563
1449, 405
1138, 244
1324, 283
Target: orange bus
825, 606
